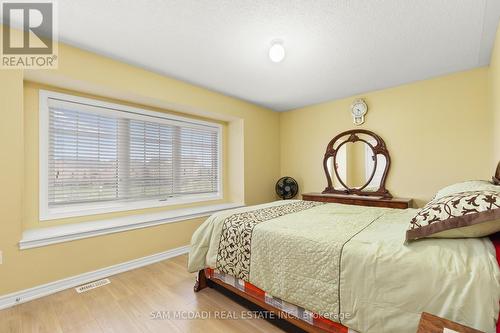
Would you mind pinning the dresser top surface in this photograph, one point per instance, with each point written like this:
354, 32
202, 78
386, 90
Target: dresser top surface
356, 197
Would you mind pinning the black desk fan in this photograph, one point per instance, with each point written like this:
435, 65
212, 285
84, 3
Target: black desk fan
287, 188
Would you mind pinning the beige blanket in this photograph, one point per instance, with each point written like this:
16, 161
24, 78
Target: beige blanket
350, 264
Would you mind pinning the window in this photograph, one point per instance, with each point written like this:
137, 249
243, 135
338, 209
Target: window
98, 157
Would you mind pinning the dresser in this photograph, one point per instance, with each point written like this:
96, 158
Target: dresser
359, 200
356, 165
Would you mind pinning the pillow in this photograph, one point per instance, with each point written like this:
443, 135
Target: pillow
464, 214
473, 185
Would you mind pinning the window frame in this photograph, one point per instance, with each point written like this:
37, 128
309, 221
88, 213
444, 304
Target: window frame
74, 210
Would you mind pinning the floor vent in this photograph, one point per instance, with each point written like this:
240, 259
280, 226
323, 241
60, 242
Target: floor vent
92, 285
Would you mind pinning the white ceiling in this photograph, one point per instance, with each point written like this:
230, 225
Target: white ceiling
335, 48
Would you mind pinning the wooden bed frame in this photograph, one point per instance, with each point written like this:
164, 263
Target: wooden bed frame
203, 280
496, 177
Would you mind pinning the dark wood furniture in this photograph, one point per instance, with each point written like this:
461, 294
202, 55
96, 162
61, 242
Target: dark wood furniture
203, 280
358, 200
496, 177
433, 324
380, 153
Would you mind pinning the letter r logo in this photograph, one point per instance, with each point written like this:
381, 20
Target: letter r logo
36, 20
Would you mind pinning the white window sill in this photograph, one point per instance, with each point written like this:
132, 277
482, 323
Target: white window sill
47, 214
51, 235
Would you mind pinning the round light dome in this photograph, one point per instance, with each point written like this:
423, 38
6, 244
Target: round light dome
277, 51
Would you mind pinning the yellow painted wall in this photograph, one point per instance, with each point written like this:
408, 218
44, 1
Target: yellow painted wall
495, 96
11, 177
437, 131
253, 152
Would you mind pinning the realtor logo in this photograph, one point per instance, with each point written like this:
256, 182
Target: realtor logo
29, 34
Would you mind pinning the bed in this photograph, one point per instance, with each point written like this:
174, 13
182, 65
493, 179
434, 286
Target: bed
341, 268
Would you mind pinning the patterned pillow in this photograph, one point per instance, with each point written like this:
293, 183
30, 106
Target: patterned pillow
465, 214
472, 185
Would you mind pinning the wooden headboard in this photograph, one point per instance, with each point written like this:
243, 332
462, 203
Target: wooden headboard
496, 177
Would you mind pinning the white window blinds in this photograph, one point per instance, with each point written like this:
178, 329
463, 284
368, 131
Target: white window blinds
98, 154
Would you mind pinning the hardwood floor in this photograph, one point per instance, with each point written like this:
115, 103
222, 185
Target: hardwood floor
126, 306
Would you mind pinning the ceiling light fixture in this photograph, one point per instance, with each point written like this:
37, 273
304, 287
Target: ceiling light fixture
277, 51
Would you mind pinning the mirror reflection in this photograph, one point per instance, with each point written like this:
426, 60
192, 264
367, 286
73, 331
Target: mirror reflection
355, 164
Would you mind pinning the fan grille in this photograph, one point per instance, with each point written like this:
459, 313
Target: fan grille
287, 188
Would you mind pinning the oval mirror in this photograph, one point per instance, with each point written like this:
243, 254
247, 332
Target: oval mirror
356, 162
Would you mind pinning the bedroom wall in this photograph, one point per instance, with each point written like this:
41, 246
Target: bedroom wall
437, 131
254, 162
495, 95
11, 175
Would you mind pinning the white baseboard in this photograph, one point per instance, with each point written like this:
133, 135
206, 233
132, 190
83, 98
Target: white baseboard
53, 287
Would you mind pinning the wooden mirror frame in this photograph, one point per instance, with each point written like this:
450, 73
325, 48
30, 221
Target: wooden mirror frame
496, 177
379, 149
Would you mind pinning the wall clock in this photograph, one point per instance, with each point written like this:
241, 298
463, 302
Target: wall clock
359, 108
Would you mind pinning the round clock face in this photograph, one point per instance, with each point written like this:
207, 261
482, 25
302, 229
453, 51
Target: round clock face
359, 109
